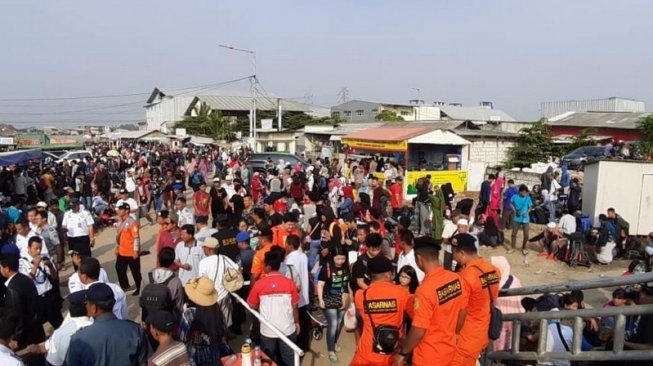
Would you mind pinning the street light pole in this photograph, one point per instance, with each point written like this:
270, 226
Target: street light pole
252, 79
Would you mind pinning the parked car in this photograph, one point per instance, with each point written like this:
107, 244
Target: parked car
577, 159
75, 155
258, 161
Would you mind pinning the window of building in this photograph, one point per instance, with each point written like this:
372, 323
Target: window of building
375, 111
335, 114
360, 112
405, 113
347, 113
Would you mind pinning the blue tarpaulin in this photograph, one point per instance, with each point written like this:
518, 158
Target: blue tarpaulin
19, 157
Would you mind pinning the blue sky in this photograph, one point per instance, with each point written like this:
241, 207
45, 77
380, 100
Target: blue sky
514, 53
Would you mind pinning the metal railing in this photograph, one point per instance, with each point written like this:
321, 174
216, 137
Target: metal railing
296, 350
617, 353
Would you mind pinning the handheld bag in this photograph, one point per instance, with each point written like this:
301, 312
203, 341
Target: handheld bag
496, 316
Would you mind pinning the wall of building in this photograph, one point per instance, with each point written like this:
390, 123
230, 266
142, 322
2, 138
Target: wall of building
527, 178
616, 133
167, 110
552, 109
490, 150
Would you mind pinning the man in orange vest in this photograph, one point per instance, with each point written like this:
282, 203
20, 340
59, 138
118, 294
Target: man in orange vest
287, 228
438, 304
481, 284
128, 250
381, 304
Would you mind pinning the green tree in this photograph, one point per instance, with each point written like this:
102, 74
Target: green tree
388, 116
207, 122
645, 126
534, 144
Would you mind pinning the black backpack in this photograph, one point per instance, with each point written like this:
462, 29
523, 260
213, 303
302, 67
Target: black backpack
156, 296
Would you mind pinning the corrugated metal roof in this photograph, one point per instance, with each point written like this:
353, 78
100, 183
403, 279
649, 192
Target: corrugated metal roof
623, 120
389, 133
439, 137
475, 114
244, 103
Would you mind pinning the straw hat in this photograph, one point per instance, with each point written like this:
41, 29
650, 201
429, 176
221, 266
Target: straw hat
202, 291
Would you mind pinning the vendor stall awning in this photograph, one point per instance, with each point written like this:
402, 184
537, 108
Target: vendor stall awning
383, 138
439, 137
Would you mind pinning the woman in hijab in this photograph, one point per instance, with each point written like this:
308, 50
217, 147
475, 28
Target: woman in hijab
507, 305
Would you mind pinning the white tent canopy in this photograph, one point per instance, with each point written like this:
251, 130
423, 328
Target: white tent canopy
438, 137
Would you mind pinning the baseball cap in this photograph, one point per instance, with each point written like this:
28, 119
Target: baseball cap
77, 298
216, 180
42, 204
427, 241
229, 177
551, 225
74, 200
242, 236
379, 264
161, 320
10, 249
463, 222
99, 292
210, 242
124, 206
123, 191
72, 252
464, 240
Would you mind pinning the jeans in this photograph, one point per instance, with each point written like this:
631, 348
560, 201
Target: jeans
513, 237
158, 202
314, 253
87, 202
335, 320
270, 346
424, 215
551, 207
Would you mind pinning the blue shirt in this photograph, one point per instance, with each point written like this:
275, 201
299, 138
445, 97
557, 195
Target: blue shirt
109, 341
522, 205
511, 191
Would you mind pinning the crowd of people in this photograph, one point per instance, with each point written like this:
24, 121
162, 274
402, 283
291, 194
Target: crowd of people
330, 240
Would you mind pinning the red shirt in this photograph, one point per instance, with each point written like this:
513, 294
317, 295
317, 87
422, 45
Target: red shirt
397, 198
202, 203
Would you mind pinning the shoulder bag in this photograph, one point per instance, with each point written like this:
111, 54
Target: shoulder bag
496, 316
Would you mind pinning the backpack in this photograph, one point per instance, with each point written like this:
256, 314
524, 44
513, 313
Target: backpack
156, 296
196, 179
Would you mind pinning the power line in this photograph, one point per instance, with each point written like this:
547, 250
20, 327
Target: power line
108, 95
191, 90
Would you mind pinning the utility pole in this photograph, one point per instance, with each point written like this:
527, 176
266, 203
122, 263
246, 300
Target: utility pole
418, 101
279, 113
343, 95
253, 82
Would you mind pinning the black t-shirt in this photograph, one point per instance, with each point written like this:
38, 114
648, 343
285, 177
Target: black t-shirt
644, 332
217, 201
228, 245
316, 228
353, 236
359, 270
238, 205
275, 219
336, 279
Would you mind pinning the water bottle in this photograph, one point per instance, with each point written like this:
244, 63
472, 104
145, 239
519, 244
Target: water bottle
257, 356
246, 355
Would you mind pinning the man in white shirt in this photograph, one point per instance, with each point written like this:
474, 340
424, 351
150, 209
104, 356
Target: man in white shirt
554, 191
130, 182
57, 345
229, 186
74, 283
214, 266
567, 223
203, 229
23, 234
133, 206
79, 228
89, 273
184, 214
188, 254
297, 263
407, 256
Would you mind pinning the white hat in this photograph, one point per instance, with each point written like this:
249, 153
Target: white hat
463, 222
42, 204
229, 177
551, 225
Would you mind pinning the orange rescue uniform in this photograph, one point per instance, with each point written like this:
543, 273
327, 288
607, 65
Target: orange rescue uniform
477, 275
386, 303
279, 235
258, 260
438, 302
128, 232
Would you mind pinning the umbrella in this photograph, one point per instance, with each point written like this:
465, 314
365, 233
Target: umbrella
113, 153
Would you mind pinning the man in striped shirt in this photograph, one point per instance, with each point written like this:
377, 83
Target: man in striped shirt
170, 352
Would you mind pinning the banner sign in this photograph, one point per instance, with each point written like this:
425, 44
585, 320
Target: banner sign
457, 178
375, 145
